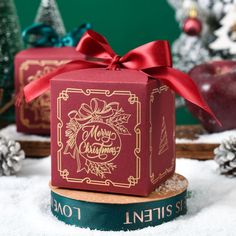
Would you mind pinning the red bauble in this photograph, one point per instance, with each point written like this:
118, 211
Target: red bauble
192, 26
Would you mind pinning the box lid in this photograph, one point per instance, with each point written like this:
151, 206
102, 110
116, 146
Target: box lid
50, 53
102, 75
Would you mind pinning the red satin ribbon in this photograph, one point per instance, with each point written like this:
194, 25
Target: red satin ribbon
153, 59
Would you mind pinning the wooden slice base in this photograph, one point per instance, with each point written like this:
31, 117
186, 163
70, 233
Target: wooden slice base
33, 145
188, 149
35, 149
104, 211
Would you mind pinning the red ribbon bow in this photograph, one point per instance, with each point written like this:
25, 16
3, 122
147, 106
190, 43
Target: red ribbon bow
153, 59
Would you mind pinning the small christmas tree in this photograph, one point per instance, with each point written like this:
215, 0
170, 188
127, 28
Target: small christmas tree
189, 50
226, 35
163, 146
48, 13
10, 44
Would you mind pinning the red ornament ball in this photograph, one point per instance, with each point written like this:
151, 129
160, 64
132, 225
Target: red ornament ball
192, 26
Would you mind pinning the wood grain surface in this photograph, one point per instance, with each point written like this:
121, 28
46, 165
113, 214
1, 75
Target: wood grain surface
199, 151
35, 148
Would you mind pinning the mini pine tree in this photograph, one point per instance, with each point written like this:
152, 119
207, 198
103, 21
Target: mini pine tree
189, 51
48, 13
163, 146
10, 44
226, 34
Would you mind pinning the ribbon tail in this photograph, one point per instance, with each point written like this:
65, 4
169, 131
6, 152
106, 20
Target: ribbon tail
41, 85
182, 84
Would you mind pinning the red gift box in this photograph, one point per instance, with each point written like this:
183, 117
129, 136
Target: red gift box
31, 64
111, 131
113, 125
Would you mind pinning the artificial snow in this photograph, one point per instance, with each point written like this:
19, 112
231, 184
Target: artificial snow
10, 132
210, 138
25, 204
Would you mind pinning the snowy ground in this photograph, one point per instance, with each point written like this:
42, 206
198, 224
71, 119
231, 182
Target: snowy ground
210, 138
25, 211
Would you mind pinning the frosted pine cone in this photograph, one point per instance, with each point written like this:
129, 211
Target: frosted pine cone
11, 156
225, 156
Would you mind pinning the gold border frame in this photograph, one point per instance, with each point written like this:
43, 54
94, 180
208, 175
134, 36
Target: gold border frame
132, 99
24, 67
154, 179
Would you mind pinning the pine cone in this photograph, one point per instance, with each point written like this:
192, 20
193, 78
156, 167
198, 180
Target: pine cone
225, 156
11, 156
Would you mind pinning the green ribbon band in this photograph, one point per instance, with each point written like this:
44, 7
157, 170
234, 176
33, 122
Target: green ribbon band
116, 217
42, 35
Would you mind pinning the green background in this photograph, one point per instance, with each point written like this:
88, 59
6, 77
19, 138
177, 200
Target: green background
126, 23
